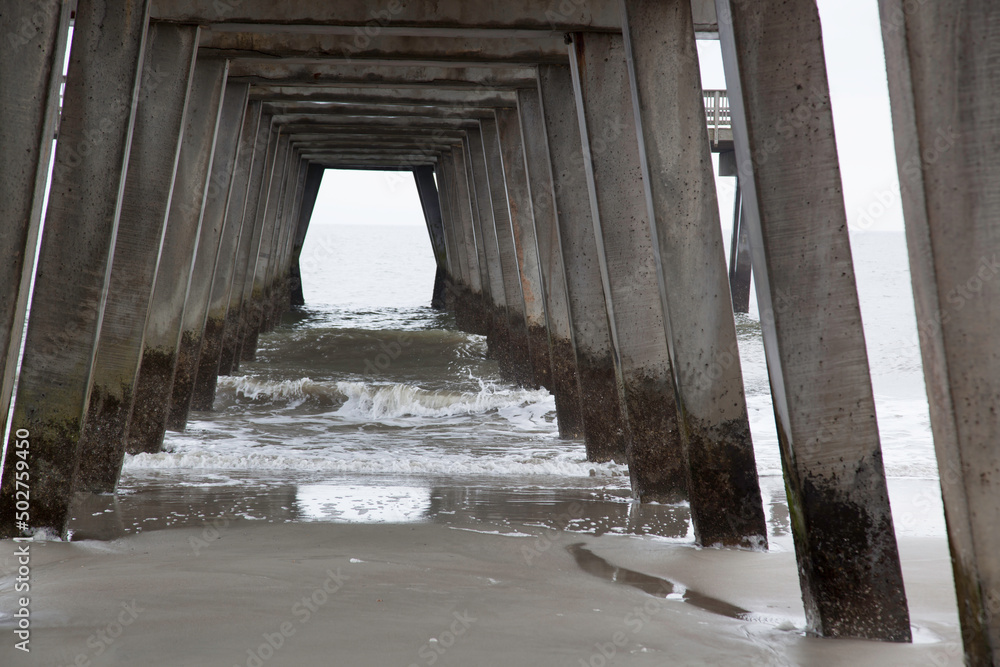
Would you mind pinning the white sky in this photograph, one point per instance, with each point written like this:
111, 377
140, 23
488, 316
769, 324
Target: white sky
856, 69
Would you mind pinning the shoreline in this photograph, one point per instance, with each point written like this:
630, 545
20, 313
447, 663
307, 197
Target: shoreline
212, 594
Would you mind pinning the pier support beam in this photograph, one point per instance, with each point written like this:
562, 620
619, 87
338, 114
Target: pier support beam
476, 299
517, 328
524, 246
32, 53
275, 301
455, 278
942, 88
813, 340
314, 177
679, 184
498, 332
281, 297
740, 273
431, 205
164, 327
267, 211
167, 74
232, 340
220, 314
485, 279
603, 420
197, 324
564, 382
628, 268
73, 265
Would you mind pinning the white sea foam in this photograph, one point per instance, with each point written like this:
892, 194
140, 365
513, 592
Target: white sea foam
368, 401
380, 462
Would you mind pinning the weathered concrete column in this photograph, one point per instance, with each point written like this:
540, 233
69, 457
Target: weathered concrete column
286, 192
31, 56
476, 233
197, 324
944, 115
269, 134
498, 335
520, 349
281, 298
232, 338
168, 68
628, 267
277, 273
603, 420
164, 326
683, 211
525, 248
449, 291
564, 384
476, 297
314, 178
76, 249
236, 238
815, 347
431, 205
740, 273
257, 269
262, 234
267, 263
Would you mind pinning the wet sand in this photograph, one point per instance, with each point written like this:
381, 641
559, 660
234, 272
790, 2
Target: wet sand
454, 587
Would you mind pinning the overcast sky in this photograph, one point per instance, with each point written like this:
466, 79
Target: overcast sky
856, 68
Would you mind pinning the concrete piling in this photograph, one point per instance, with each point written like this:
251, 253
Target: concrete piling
944, 118
429, 201
168, 70
165, 332
524, 245
314, 177
473, 311
255, 293
517, 328
498, 331
603, 420
451, 282
76, 251
30, 78
564, 383
198, 322
628, 268
249, 239
232, 256
740, 273
679, 186
845, 544
281, 289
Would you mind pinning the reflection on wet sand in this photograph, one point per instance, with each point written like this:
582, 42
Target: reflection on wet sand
163, 502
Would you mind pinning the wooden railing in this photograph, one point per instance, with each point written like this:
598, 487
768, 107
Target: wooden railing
717, 113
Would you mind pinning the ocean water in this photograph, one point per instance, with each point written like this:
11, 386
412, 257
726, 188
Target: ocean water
367, 405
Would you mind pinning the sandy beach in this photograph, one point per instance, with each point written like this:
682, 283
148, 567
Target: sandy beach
457, 588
